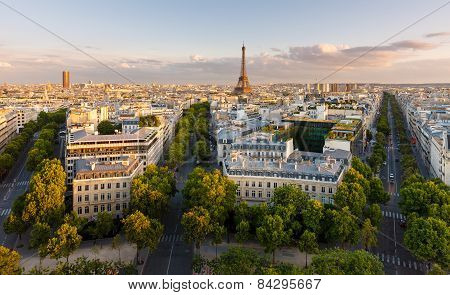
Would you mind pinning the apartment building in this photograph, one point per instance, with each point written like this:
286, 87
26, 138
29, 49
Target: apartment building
8, 126
25, 115
146, 143
259, 165
103, 186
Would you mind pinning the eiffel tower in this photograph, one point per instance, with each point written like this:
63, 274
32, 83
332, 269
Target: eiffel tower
243, 85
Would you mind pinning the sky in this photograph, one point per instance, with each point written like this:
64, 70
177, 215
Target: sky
199, 42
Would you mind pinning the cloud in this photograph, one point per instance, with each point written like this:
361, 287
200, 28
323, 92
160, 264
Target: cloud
197, 58
437, 34
125, 65
415, 45
4, 64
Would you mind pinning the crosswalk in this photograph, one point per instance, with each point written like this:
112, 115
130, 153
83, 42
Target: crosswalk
391, 259
5, 212
392, 214
14, 184
169, 238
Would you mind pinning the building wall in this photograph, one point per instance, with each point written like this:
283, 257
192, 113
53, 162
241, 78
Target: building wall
8, 127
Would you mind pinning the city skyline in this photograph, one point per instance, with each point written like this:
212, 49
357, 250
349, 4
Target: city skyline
180, 43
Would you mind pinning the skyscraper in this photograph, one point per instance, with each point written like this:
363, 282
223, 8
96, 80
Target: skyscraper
243, 85
66, 80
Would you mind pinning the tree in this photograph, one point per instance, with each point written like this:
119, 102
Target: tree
419, 196
373, 212
218, 233
351, 195
6, 163
106, 128
238, 261
377, 194
243, 231
151, 203
14, 224
308, 244
271, 234
344, 227
429, 240
212, 191
343, 262
142, 231
368, 235
436, 269
149, 121
312, 215
9, 262
40, 235
196, 225
116, 243
35, 157
45, 200
289, 195
201, 149
66, 241
104, 224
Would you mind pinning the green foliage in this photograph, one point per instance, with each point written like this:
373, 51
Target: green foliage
344, 227
242, 231
9, 262
149, 121
351, 195
201, 149
342, 262
429, 240
45, 200
238, 261
368, 235
271, 234
373, 212
14, 224
196, 225
142, 231
312, 215
66, 241
106, 128
308, 244
377, 194
103, 225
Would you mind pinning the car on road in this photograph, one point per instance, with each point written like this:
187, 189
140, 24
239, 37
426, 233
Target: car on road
391, 177
384, 163
403, 223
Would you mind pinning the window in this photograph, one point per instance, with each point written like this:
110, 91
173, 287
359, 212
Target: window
86, 198
80, 210
124, 205
313, 188
80, 199
330, 190
246, 193
124, 195
239, 183
102, 186
238, 192
323, 199
253, 194
86, 210
95, 209
260, 194
109, 185
246, 183
253, 184
117, 195
95, 187
117, 207
79, 188
260, 184
306, 187
96, 197
268, 195
108, 196
102, 197
124, 185
323, 189
102, 208
268, 184
86, 187
275, 185
117, 184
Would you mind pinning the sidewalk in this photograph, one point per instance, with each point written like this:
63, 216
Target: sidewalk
285, 254
102, 251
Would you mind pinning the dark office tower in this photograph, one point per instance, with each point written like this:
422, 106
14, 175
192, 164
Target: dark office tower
66, 80
243, 85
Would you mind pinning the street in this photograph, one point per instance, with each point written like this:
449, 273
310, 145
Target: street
395, 257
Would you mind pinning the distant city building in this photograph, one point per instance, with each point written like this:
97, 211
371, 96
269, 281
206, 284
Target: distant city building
103, 186
243, 85
66, 80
